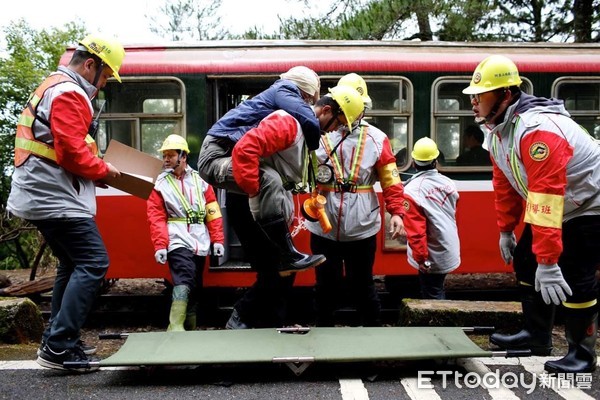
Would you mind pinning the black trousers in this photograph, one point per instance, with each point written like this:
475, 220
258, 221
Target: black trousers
578, 262
187, 269
348, 272
264, 304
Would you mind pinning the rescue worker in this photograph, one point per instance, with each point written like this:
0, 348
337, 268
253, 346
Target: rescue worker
433, 247
350, 161
53, 187
271, 160
185, 219
297, 89
546, 166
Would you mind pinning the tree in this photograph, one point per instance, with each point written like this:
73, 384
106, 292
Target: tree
29, 56
188, 20
456, 20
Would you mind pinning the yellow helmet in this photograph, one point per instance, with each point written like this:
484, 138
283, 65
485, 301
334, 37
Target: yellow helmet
358, 83
350, 102
175, 142
493, 73
425, 151
109, 50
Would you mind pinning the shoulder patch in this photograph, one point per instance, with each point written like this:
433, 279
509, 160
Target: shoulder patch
539, 151
406, 205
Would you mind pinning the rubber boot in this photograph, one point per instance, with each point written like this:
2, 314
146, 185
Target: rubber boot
190, 323
536, 334
178, 308
581, 332
291, 259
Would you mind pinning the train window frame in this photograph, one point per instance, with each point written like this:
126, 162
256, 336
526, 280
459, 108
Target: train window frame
578, 114
138, 118
461, 116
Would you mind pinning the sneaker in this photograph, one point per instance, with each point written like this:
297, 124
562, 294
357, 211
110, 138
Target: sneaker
86, 348
56, 360
235, 322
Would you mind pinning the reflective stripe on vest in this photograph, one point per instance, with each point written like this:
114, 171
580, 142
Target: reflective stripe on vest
25, 142
193, 217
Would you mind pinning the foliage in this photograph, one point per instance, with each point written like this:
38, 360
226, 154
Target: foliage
448, 20
188, 19
29, 56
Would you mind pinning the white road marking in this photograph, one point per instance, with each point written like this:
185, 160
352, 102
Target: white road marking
497, 393
535, 365
353, 389
418, 393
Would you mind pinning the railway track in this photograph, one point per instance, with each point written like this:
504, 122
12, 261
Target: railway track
141, 308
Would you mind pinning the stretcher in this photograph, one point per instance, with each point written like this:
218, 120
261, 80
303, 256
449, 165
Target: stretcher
297, 347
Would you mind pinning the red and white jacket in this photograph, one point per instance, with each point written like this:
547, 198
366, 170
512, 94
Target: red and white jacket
277, 141
368, 154
43, 189
430, 221
167, 214
547, 166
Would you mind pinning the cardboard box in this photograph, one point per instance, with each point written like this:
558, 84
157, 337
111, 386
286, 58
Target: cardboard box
138, 169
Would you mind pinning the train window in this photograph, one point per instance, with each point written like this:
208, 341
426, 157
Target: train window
582, 100
141, 112
391, 112
459, 139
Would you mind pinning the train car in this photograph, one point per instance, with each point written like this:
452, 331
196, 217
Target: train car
416, 88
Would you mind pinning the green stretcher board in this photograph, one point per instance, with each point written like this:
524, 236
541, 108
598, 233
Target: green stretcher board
295, 347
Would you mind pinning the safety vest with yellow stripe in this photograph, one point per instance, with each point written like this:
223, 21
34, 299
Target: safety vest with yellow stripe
356, 161
26, 142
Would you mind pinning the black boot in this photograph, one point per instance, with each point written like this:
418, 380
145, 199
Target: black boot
581, 332
536, 334
291, 259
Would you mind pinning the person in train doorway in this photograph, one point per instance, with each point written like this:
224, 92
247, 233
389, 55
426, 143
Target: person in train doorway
350, 162
185, 225
294, 93
433, 247
271, 160
547, 167
53, 187
474, 153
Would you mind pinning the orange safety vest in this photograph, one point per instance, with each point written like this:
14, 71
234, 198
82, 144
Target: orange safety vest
25, 142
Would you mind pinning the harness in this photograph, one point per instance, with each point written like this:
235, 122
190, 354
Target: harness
192, 216
347, 184
26, 141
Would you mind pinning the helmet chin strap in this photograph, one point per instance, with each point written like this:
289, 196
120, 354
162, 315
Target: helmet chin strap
331, 120
493, 113
98, 73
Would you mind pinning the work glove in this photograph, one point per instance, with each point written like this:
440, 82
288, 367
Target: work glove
254, 203
508, 242
218, 250
549, 280
161, 256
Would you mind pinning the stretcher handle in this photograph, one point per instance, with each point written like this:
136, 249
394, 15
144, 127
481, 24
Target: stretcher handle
104, 336
80, 364
294, 329
512, 353
482, 330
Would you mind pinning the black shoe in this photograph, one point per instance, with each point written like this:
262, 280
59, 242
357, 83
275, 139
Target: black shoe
52, 359
86, 348
235, 322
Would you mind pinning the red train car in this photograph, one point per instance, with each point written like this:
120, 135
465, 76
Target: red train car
416, 90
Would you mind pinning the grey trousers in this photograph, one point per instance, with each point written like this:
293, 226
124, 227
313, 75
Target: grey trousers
215, 166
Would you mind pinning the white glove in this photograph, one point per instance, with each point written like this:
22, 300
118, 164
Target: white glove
218, 250
508, 242
161, 256
254, 203
549, 280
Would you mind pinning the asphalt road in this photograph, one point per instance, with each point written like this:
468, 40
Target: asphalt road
463, 379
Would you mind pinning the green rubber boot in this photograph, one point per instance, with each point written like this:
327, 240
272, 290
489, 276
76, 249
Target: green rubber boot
178, 308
